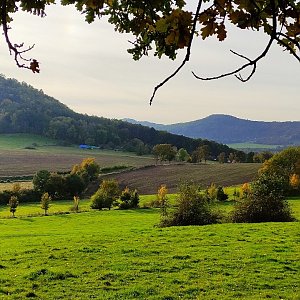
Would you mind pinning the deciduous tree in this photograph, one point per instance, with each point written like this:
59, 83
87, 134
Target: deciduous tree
13, 204
285, 164
265, 202
164, 152
162, 199
107, 193
170, 25
88, 169
45, 202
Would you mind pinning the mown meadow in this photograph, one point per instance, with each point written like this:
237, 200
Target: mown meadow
124, 255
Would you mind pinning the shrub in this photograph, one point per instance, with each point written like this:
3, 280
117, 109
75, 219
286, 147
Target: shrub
265, 202
99, 201
23, 195
212, 192
221, 195
13, 203
193, 209
107, 193
128, 199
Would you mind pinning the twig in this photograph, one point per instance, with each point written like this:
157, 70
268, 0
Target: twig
253, 62
187, 56
34, 65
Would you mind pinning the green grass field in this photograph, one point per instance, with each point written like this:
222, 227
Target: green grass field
123, 255
21, 140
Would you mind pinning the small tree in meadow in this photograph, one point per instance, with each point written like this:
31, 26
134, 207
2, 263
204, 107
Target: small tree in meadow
162, 199
129, 199
76, 200
105, 196
245, 190
236, 194
13, 204
212, 192
45, 202
221, 195
193, 208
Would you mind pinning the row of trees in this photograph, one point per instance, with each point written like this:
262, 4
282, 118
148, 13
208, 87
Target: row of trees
168, 152
45, 201
57, 185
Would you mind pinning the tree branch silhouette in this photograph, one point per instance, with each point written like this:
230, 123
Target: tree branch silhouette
17, 49
253, 62
187, 56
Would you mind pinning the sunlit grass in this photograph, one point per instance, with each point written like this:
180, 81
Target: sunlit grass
122, 255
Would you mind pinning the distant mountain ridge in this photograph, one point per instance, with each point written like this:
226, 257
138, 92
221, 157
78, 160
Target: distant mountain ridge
229, 129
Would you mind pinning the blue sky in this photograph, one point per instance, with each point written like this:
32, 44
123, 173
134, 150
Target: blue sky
87, 67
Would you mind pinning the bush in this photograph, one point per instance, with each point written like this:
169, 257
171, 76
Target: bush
265, 202
193, 209
221, 195
99, 201
107, 193
13, 203
129, 199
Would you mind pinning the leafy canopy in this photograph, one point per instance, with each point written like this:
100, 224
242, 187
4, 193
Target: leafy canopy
166, 26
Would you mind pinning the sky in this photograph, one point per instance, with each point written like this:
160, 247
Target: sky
87, 67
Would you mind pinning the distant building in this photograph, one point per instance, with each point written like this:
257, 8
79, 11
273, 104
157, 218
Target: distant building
84, 146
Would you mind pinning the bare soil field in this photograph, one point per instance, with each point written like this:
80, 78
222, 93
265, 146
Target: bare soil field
147, 179
28, 162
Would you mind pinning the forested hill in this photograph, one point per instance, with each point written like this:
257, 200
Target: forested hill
228, 129
24, 109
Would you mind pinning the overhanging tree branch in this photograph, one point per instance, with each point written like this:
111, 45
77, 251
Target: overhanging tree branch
16, 49
253, 63
187, 56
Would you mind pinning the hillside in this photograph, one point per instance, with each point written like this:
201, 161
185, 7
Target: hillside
24, 109
228, 129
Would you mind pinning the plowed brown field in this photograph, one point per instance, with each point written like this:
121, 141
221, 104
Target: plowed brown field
147, 180
28, 162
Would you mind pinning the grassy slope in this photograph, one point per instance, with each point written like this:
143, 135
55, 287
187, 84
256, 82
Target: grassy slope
121, 255
21, 140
